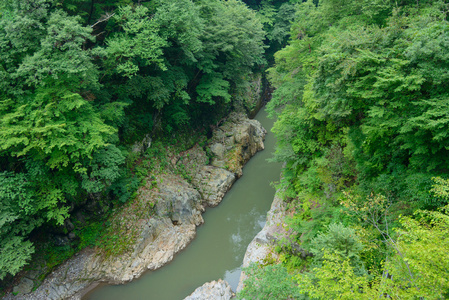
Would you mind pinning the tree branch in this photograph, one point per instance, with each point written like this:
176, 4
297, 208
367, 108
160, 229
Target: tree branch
103, 18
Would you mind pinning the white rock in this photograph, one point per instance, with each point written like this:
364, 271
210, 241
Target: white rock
215, 290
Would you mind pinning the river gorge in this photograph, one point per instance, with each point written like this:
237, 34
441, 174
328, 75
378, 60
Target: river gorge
220, 244
169, 252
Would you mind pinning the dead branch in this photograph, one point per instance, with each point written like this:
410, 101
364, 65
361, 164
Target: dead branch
103, 18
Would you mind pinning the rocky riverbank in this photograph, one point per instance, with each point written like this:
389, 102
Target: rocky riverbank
162, 219
264, 242
261, 247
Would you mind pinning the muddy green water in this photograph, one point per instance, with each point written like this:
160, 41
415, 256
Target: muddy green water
220, 244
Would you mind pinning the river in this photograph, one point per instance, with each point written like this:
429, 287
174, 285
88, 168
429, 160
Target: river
219, 247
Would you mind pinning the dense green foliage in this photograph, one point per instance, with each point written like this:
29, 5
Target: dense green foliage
270, 282
365, 100
81, 80
361, 100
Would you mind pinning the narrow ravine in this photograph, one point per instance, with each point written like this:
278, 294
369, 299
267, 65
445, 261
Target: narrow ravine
220, 244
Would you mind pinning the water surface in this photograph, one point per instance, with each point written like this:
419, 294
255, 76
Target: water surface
220, 244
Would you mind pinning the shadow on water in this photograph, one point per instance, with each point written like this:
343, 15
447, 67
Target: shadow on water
220, 244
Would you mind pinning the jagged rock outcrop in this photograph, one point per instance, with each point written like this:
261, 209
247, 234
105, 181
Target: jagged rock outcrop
25, 286
253, 97
215, 290
179, 201
235, 142
162, 220
213, 183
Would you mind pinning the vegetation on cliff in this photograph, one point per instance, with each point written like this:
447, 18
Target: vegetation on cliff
361, 99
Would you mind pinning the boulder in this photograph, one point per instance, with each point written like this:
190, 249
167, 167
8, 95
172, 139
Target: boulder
140, 147
218, 150
24, 287
215, 290
178, 201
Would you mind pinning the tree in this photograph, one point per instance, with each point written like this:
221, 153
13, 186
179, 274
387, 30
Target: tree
233, 37
18, 210
50, 131
424, 246
420, 271
335, 279
138, 45
371, 85
80, 80
269, 282
341, 241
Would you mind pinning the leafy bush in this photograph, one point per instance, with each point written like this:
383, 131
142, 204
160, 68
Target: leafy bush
269, 282
341, 241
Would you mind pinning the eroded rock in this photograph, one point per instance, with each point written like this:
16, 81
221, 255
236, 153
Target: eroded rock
236, 141
213, 183
24, 287
179, 201
215, 290
162, 218
141, 146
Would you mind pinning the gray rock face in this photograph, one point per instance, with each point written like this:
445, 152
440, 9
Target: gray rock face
164, 216
179, 201
141, 146
253, 96
63, 282
213, 183
236, 141
218, 150
215, 290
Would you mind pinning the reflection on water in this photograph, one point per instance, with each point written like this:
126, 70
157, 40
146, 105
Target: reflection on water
232, 277
220, 244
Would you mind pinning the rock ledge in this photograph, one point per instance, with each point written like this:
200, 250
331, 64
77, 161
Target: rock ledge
162, 218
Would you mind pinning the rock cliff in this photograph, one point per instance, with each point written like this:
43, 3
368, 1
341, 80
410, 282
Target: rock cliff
162, 219
233, 146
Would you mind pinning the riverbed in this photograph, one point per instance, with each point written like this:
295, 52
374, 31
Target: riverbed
220, 244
